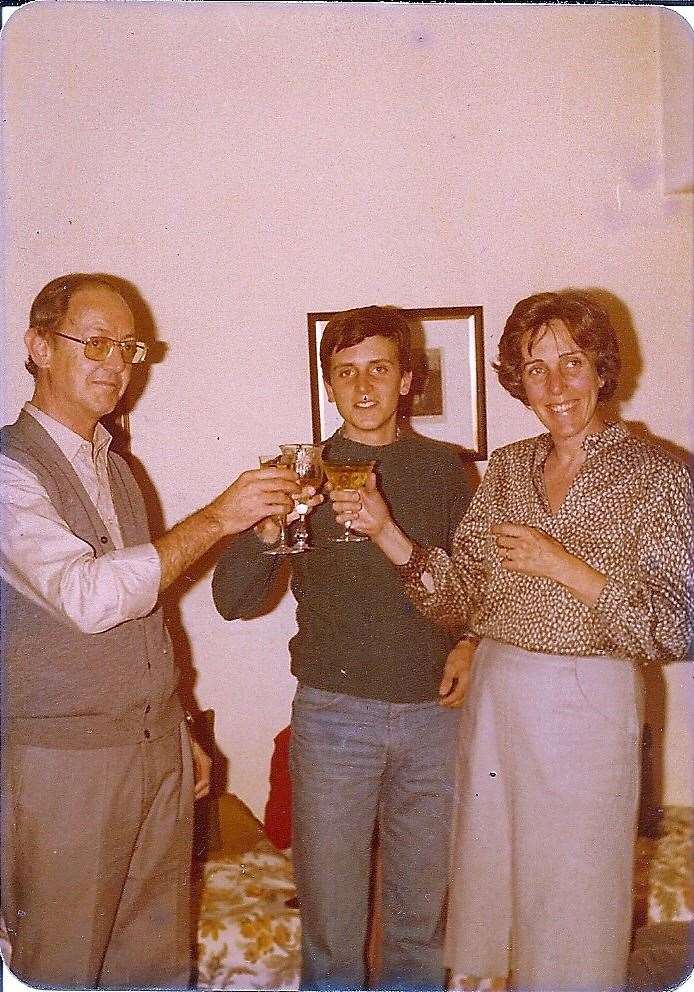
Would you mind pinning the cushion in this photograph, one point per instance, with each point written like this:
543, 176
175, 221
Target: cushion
248, 937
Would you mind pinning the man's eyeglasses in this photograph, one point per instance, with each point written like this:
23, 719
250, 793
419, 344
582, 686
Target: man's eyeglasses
98, 348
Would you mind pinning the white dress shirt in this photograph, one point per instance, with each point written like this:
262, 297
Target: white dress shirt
45, 561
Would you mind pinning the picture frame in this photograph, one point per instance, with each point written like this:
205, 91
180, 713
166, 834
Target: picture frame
447, 400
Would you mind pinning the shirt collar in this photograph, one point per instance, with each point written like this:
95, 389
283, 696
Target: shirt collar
70, 443
612, 433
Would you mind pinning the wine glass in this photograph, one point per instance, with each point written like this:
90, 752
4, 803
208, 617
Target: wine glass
284, 547
307, 462
348, 476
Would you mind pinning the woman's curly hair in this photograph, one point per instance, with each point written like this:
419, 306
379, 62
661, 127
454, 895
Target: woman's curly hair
586, 320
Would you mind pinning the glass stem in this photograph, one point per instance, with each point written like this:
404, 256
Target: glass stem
282, 521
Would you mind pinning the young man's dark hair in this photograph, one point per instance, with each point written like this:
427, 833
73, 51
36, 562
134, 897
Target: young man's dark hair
353, 326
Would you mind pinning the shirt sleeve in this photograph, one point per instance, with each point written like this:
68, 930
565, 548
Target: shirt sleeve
242, 577
45, 561
647, 611
448, 587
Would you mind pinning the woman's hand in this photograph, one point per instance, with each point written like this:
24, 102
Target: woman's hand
308, 497
365, 507
532, 552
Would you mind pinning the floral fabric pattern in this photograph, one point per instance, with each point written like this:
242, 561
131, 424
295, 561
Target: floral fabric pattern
248, 938
628, 514
664, 876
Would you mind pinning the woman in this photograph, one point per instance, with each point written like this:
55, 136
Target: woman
572, 565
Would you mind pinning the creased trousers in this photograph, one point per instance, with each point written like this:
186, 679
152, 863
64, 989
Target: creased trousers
545, 821
96, 851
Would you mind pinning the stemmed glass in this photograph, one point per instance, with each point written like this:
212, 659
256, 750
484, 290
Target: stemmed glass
284, 547
307, 462
348, 476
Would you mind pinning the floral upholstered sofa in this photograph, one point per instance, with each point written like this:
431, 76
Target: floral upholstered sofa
248, 924
664, 884
249, 930
248, 938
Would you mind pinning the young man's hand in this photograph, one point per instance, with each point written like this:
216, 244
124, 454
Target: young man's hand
365, 507
456, 674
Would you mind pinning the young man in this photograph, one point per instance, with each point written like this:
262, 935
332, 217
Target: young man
97, 778
370, 741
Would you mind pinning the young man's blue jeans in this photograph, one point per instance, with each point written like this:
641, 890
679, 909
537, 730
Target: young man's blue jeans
355, 762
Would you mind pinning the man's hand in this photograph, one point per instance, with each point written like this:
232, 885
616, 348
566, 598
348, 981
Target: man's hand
369, 514
202, 769
256, 494
456, 674
365, 507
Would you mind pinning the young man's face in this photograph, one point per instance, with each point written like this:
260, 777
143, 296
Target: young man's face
365, 383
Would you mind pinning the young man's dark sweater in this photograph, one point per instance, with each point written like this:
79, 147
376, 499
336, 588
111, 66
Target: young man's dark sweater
357, 632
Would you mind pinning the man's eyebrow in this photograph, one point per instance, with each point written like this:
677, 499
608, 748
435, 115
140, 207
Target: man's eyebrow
371, 361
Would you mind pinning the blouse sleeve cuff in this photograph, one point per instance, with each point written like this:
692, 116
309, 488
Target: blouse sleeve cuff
411, 572
611, 599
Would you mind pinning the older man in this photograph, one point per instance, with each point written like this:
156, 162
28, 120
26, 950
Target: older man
97, 776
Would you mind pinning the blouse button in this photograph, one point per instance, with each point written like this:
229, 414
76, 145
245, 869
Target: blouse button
104, 540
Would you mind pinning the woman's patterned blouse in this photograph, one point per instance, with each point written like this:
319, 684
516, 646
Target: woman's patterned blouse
627, 514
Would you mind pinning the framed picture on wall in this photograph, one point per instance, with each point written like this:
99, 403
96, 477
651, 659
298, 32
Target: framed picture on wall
447, 398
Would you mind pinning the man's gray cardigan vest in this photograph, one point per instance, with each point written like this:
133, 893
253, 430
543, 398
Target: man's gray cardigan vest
60, 687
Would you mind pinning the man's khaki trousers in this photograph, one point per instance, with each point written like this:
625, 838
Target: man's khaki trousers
96, 849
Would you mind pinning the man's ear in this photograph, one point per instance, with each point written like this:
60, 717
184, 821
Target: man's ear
39, 347
329, 390
405, 383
